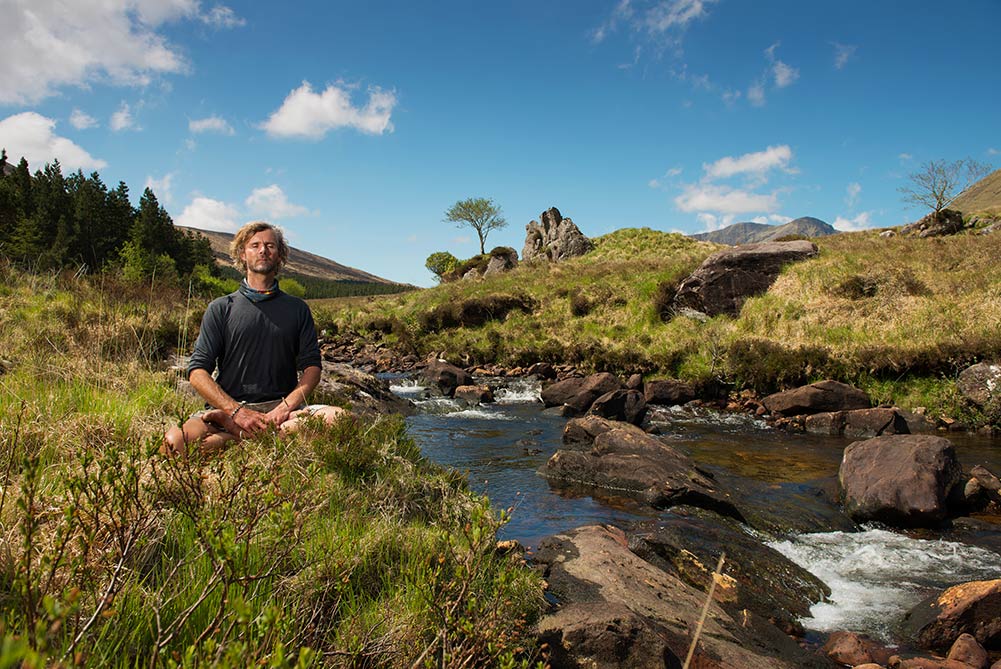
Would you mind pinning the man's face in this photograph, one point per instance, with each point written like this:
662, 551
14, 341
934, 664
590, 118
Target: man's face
261, 252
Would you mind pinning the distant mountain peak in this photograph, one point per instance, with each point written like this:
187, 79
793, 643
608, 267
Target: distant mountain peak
749, 232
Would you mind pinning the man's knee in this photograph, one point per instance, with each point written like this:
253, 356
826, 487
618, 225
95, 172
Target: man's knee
173, 442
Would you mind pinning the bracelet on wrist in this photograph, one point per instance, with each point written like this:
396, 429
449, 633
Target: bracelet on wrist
237, 409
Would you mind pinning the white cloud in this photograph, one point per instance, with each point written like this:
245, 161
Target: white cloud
784, 74
674, 14
724, 200
623, 11
211, 124
162, 188
272, 204
31, 135
852, 193
123, 120
308, 115
708, 221
779, 219
905, 157
207, 214
750, 163
756, 94
860, 222
670, 174
82, 121
843, 53
992, 151
50, 44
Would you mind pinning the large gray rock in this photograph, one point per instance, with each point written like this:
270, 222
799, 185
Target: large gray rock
628, 462
980, 383
555, 239
727, 278
447, 377
363, 392
579, 393
902, 480
502, 259
816, 398
618, 610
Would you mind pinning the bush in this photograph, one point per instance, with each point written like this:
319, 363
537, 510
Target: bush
766, 366
441, 263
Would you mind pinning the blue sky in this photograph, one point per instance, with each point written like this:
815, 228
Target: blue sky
354, 126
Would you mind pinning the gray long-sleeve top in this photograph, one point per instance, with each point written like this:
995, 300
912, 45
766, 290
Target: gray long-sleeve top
258, 347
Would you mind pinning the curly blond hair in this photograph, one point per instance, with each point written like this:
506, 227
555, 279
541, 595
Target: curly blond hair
248, 231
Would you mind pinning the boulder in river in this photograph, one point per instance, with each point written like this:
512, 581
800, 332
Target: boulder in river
581, 432
901, 480
858, 423
816, 398
972, 608
669, 392
853, 649
363, 392
577, 393
980, 383
624, 405
618, 610
727, 278
474, 394
634, 464
447, 377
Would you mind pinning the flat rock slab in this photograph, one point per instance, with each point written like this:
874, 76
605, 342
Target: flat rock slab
618, 610
634, 464
817, 397
858, 423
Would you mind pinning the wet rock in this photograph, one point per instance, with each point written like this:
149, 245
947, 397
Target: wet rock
855, 650
542, 370
362, 391
581, 432
669, 392
579, 393
757, 577
635, 382
972, 608
637, 465
968, 651
474, 394
902, 480
624, 405
447, 377
816, 398
555, 239
727, 278
927, 663
857, 423
980, 383
617, 610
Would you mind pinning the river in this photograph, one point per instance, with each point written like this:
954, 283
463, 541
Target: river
875, 575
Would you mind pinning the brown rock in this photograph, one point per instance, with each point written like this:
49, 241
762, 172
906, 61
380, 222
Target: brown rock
967, 650
980, 383
583, 431
936, 224
816, 398
899, 479
668, 392
969, 608
447, 377
635, 382
858, 423
854, 649
474, 394
579, 393
624, 405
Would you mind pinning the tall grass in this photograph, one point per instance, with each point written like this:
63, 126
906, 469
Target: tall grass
340, 546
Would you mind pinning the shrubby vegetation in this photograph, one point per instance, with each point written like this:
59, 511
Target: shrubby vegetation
341, 546
898, 316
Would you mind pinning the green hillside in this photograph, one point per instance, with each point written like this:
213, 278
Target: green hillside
898, 316
983, 197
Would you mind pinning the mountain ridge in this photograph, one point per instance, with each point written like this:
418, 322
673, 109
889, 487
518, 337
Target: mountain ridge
752, 233
299, 261
983, 197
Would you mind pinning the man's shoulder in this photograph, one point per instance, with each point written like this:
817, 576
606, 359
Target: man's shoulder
223, 302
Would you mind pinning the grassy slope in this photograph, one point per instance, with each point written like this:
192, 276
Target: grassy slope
898, 316
340, 546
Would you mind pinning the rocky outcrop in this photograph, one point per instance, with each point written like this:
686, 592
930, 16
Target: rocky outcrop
618, 610
727, 278
902, 480
624, 405
816, 398
363, 392
474, 394
579, 393
668, 392
936, 224
972, 608
502, 259
447, 377
858, 423
555, 239
981, 383
581, 432
628, 462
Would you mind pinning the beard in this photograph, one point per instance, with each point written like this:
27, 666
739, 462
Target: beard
263, 266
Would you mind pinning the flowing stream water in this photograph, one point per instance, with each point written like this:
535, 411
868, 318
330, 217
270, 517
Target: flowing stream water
875, 575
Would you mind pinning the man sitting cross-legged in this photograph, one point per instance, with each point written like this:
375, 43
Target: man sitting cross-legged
264, 344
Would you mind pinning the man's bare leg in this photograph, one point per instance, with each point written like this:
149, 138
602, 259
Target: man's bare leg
212, 438
329, 414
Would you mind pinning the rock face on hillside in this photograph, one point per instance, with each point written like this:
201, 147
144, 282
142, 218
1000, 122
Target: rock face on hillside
936, 224
727, 278
555, 239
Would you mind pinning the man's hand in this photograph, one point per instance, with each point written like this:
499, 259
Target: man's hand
279, 414
245, 423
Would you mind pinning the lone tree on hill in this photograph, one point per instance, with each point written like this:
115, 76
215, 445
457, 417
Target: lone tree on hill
939, 182
478, 213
